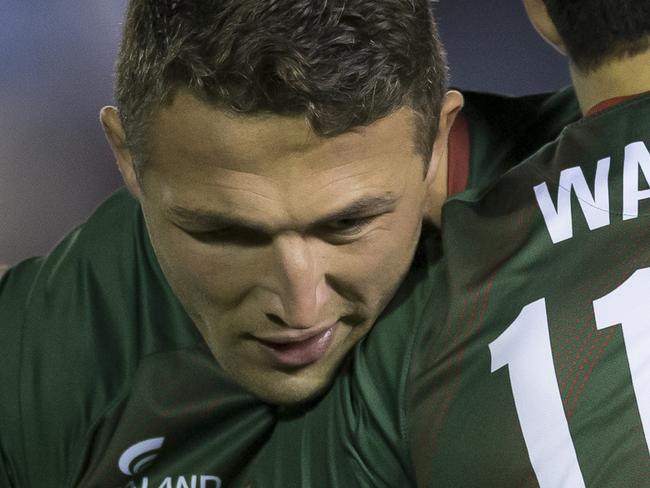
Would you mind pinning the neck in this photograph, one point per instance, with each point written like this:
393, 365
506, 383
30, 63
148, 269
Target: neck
618, 78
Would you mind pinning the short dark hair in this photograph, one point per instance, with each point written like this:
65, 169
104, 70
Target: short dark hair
596, 31
340, 63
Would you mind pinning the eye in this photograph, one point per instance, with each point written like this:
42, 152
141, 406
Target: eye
233, 236
349, 226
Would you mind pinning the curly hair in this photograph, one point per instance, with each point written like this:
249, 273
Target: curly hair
339, 63
595, 31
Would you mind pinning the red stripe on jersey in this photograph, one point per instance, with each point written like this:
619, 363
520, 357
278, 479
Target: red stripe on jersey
597, 341
572, 404
612, 102
470, 322
458, 156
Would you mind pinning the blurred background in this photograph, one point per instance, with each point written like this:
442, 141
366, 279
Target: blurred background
56, 64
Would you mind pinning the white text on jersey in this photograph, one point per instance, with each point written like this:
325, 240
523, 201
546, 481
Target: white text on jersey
194, 481
595, 207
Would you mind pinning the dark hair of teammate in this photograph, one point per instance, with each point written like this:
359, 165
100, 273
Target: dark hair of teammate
340, 63
595, 31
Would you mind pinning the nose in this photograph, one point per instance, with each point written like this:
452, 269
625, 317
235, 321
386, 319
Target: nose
299, 282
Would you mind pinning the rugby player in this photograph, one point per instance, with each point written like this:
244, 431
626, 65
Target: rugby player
537, 371
279, 157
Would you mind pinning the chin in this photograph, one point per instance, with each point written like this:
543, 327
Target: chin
289, 395
287, 389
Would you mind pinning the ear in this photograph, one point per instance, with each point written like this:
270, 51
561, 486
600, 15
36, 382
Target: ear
116, 137
436, 178
541, 20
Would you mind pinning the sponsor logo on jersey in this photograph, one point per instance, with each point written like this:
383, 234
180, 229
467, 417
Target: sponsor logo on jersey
141, 455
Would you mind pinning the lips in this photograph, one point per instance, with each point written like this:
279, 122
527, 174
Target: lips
295, 352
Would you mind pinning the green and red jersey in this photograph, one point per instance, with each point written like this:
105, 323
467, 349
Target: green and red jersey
536, 371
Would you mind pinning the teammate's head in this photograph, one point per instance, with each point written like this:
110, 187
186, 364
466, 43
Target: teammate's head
281, 146
593, 32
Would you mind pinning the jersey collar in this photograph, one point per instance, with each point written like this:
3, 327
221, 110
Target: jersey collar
612, 102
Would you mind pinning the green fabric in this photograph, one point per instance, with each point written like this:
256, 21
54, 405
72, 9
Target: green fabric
499, 257
506, 130
97, 355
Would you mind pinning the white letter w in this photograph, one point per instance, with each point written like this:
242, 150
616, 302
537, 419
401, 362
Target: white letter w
595, 208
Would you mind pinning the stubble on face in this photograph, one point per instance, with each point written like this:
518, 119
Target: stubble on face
276, 267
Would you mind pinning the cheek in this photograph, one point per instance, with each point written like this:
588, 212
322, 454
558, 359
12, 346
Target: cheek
199, 274
221, 280
376, 264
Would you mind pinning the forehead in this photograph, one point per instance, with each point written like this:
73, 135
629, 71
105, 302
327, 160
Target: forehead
200, 154
192, 126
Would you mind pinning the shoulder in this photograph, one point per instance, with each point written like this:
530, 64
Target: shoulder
95, 283
504, 130
503, 113
380, 363
586, 162
75, 324
89, 300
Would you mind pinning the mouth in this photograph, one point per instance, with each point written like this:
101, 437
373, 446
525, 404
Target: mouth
298, 351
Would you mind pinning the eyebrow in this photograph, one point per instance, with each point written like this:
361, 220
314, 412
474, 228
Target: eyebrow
375, 205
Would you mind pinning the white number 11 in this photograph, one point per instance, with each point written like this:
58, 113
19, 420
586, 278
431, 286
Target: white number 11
525, 348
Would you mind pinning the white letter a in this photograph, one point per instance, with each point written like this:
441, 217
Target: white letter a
636, 156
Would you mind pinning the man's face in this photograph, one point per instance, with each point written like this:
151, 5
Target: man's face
283, 247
